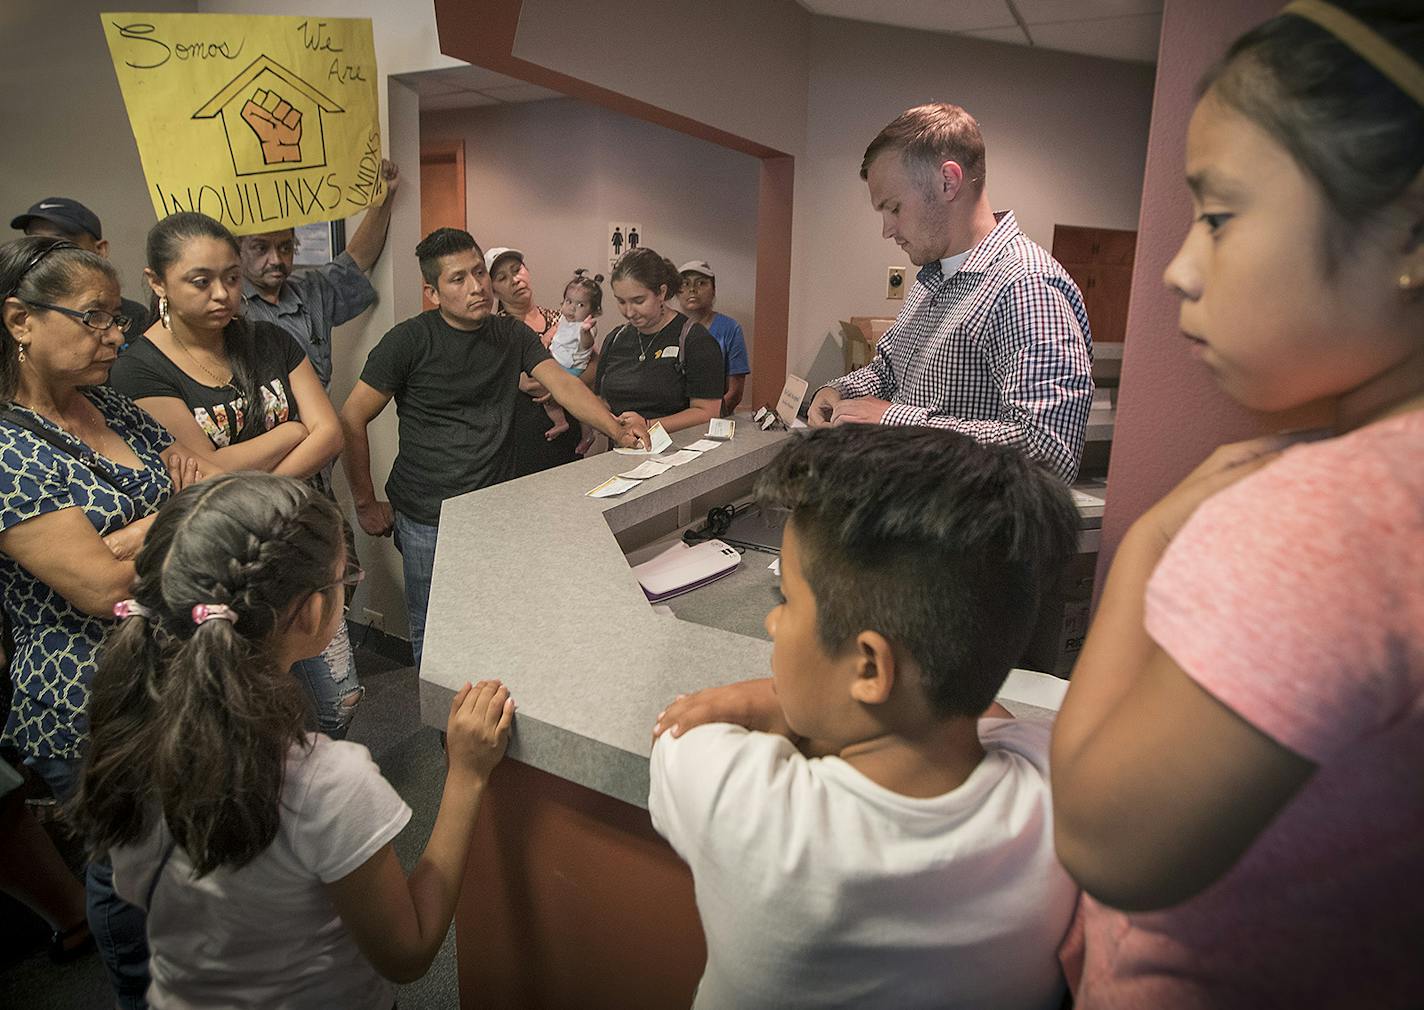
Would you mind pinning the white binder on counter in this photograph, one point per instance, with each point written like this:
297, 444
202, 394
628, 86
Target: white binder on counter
681, 569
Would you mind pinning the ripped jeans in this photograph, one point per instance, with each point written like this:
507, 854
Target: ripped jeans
330, 679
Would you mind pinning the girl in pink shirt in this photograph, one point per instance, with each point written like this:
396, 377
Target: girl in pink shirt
1238, 768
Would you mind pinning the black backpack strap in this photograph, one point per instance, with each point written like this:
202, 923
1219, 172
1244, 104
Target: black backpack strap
687, 326
77, 450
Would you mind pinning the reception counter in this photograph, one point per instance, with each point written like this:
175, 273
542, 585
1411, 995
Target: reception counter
571, 899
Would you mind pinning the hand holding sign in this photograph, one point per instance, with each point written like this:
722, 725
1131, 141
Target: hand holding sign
277, 125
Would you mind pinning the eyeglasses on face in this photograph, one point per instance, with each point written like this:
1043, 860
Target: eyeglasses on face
693, 283
95, 319
353, 577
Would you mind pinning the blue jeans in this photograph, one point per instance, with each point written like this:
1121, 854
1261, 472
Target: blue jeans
330, 679
416, 543
119, 929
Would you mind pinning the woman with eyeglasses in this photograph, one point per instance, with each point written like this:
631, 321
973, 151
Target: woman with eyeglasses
83, 472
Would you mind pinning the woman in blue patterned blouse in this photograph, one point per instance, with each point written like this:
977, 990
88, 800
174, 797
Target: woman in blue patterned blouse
82, 474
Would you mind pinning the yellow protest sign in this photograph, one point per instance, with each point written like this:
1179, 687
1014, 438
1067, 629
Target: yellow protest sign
260, 122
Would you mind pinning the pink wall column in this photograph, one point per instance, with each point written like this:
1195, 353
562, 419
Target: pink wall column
1170, 414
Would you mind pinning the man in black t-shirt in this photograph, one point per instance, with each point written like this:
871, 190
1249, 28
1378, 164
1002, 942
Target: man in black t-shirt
454, 374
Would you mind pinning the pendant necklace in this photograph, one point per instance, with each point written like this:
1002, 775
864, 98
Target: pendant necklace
219, 383
644, 348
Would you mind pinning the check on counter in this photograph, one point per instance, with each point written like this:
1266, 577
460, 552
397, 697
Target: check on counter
532, 584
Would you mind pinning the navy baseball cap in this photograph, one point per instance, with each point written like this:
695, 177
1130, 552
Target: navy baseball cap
68, 215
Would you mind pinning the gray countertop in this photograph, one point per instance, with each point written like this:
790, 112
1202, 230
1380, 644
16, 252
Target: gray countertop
531, 585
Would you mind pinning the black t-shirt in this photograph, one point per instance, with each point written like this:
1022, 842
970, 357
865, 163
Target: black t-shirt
138, 313
221, 412
455, 393
660, 384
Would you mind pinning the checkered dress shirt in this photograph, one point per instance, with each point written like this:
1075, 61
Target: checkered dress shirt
1000, 351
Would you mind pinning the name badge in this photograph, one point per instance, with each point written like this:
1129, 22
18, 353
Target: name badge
668, 352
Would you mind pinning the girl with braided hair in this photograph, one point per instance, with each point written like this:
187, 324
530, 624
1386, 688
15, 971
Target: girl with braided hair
261, 852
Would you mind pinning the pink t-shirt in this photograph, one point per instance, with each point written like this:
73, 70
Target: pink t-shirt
1296, 597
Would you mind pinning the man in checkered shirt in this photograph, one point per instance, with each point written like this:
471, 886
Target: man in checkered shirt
993, 338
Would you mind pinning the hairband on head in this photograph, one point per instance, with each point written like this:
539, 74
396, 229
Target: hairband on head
1372, 47
204, 612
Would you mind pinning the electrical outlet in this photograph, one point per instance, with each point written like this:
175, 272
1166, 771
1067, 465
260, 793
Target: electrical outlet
375, 619
895, 283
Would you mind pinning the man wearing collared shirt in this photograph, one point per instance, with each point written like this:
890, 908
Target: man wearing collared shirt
993, 339
308, 305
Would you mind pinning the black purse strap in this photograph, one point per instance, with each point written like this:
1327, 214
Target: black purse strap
88, 457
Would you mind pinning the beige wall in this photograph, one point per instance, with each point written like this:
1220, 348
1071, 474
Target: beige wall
1065, 138
64, 126
548, 177
739, 65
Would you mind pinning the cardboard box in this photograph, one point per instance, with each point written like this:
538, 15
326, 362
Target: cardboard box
859, 335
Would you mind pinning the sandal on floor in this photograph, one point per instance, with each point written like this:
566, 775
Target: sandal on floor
60, 953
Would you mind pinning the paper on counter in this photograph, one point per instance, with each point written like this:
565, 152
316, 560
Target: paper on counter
775, 567
703, 444
721, 428
677, 458
647, 468
612, 487
1082, 498
660, 441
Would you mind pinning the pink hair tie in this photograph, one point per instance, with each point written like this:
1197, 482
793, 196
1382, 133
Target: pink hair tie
131, 608
203, 612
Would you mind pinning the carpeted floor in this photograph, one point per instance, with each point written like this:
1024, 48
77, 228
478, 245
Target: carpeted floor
388, 722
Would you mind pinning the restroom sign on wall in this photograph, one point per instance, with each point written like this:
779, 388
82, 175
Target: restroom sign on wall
623, 237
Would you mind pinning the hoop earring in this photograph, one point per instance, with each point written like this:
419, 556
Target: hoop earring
163, 313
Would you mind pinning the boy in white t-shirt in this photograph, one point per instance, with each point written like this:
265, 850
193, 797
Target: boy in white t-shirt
911, 863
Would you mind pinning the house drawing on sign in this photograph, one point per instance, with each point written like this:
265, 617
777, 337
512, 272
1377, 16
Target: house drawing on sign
272, 119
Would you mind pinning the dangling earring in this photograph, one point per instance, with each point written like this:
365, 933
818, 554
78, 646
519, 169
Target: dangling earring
22, 354
163, 313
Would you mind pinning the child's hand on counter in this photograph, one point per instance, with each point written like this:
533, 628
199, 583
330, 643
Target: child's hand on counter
751, 704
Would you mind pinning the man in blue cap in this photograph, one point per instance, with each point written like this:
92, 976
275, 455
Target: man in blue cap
66, 218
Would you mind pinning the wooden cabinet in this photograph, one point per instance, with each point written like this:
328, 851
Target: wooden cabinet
1100, 261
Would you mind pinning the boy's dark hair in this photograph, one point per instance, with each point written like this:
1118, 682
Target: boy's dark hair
927, 136
440, 243
942, 545
1347, 126
192, 723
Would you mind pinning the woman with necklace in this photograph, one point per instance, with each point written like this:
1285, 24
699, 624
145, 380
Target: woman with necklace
536, 446
242, 391
661, 366
82, 475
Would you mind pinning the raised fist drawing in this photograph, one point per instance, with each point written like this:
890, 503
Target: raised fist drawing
277, 125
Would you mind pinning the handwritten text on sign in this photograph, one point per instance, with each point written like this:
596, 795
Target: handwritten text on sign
260, 122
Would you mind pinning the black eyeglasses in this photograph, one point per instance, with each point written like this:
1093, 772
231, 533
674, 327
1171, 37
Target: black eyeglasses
95, 319
350, 579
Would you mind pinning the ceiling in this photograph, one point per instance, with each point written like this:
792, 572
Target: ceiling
469, 86
1117, 29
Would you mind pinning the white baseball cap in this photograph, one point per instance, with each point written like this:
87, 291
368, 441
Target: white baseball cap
697, 267
493, 256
